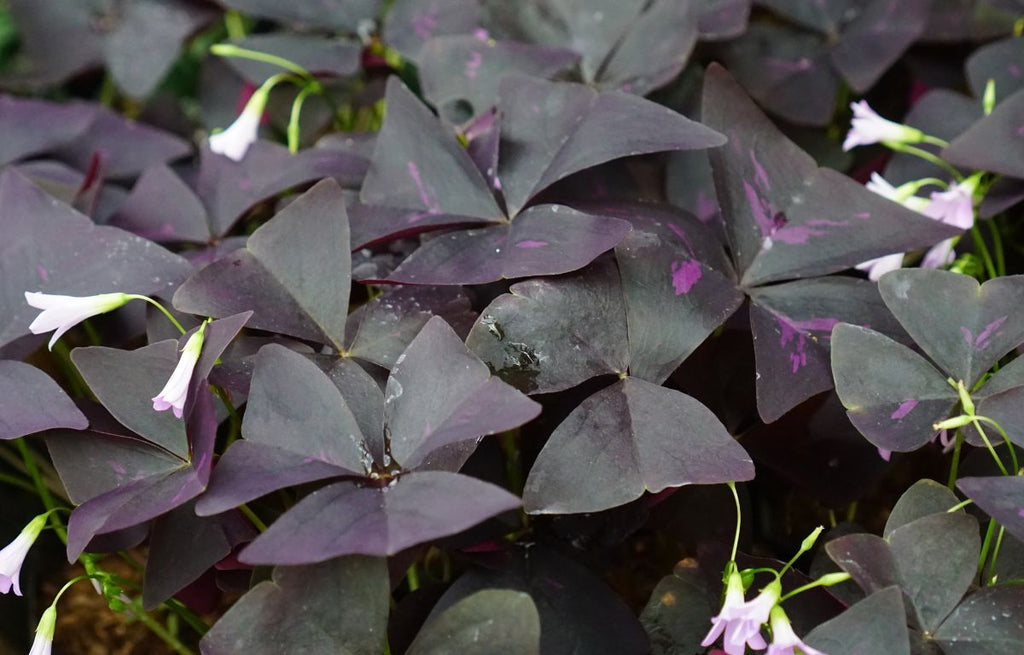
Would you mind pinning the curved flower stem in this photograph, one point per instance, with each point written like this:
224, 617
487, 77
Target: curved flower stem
959, 506
28, 457
983, 555
235, 420
230, 50
163, 309
16, 482
823, 581
997, 244
995, 557
293, 120
235, 24
1006, 438
251, 515
159, 630
935, 141
739, 517
927, 156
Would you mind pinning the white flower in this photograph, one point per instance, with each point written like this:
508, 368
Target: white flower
234, 141
173, 395
61, 313
741, 621
784, 640
13, 555
43, 643
867, 127
879, 266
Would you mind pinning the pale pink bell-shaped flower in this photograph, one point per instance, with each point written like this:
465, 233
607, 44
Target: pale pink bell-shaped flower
784, 640
43, 643
741, 621
174, 393
234, 141
61, 313
868, 127
13, 555
954, 206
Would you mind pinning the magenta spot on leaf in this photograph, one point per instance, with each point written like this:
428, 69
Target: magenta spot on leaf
44, 274
117, 468
968, 337
795, 234
685, 275
796, 333
530, 243
981, 343
862, 215
682, 236
706, 207
425, 196
760, 176
760, 209
905, 408
473, 65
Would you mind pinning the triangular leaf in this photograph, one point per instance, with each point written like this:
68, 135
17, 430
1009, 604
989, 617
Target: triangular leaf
477, 623
1002, 498
874, 625
32, 402
993, 143
987, 622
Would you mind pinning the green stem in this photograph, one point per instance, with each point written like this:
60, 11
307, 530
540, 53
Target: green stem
810, 585
235, 25
251, 515
413, 577
959, 506
166, 313
851, 512
188, 616
988, 444
1006, 438
28, 457
74, 379
927, 156
935, 141
985, 545
16, 482
736, 536
293, 120
979, 243
995, 557
954, 466
159, 630
230, 50
235, 421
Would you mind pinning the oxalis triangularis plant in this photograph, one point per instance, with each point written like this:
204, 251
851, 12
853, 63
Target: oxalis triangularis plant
477, 341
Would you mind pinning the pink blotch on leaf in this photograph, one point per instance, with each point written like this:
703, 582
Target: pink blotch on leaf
685, 275
530, 243
981, 343
425, 196
423, 25
473, 65
44, 274
905, 408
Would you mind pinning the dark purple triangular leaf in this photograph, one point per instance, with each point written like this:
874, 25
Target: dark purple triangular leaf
552, 334
421, 416
229, 188
336, 15
867, 558
339, 606
792, 327
986, 623
822, 15
477, 623
973, 20
551, 130
942, 113
1002, 498
126, 381
722, 19
147, 40
994, 143
876, 37
673, 299
376, 223
297, 428
963, 326
413, 24
293, 272
31, 402
892, 394
578, 612
125, 147
936, 559
419, 164
182, 546
543, 240
923, 498
630, 438
1000, 62
381, 329
874, 625
345, 518
153, 485
315, 53
163, 208
57, 40
787, 70
653, 50
784, 216
456, 70
32, 127
85, 260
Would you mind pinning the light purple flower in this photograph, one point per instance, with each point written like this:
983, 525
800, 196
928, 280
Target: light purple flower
61, 313
174, 393
13, 555
43, 643
954, 206
868, 127
784, 640
741, 621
